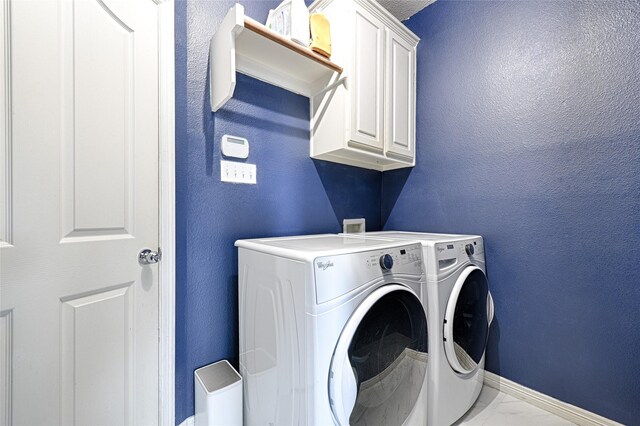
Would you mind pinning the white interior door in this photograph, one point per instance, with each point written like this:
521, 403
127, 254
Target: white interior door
79, 188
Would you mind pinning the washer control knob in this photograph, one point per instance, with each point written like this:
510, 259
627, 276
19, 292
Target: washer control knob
386, 262
469, 249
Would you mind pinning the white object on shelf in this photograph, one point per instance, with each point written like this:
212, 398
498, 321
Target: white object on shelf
243, 45
233, 146
235, 172
371, 122
218, 395
291, 20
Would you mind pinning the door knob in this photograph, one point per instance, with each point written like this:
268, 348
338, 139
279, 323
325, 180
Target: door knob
147, 257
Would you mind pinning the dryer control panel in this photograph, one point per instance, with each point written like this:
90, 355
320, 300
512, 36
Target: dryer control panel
338, 275
449, 254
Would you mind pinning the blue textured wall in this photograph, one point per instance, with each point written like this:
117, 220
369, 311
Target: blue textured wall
528, 127
294, 194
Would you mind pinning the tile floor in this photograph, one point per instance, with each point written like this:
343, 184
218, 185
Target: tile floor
495, 408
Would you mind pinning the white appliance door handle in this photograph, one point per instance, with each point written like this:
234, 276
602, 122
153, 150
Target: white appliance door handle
349, 388
343, 381
490, 308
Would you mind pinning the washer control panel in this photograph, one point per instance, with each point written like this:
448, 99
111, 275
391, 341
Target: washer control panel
340, 274
386, 262
406, 259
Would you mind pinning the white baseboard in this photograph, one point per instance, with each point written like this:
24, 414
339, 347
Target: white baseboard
567, 411
570, 412
187, 422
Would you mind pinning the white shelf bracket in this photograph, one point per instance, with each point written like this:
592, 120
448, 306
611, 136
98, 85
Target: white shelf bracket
222, 58
340, 81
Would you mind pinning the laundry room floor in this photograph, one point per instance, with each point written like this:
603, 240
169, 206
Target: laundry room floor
495, 408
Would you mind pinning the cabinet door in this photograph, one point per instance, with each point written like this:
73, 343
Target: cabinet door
367, 90
401, 92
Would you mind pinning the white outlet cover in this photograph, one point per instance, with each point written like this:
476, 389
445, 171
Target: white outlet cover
353, 226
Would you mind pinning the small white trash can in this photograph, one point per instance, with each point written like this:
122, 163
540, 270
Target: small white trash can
218, 395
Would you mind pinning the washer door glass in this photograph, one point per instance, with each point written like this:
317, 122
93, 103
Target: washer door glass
466, 326
380, 362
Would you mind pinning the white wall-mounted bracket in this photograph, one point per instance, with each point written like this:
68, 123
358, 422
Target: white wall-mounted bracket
246, 46
222, 57
341, 81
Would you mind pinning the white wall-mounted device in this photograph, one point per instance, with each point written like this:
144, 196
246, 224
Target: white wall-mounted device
353, 226
233, 146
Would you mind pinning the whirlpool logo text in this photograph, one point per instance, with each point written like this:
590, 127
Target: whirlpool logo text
325, 265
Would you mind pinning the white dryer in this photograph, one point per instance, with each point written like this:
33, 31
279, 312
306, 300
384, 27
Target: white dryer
332, 331
460, 311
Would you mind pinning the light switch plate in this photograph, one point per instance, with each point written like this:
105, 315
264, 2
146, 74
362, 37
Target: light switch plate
234, 172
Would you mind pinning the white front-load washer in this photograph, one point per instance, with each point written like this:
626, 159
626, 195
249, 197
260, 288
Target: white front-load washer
460, 311
332, 331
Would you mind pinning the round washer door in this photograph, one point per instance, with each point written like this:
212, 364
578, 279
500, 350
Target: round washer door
467, 319
380, 361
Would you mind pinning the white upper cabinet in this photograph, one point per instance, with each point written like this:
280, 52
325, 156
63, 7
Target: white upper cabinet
401, 95
367, 118
367, 96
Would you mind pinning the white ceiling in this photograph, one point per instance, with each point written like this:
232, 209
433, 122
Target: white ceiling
403, 9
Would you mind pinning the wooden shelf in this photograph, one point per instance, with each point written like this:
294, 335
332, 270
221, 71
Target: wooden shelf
246, 46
